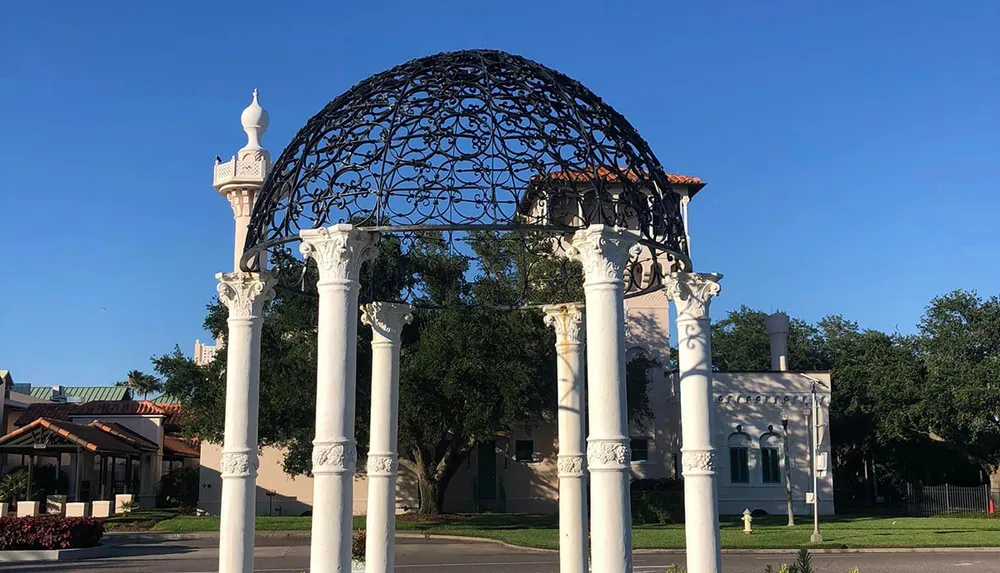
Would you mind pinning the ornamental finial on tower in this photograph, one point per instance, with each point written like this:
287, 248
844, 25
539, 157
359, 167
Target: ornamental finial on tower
255, 121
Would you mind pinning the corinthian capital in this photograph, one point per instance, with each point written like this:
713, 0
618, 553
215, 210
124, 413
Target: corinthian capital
244, 294
339, 251
692, 293
567, 320
604, 252
387, 319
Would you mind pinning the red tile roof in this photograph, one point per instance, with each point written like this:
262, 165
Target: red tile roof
122, 433
610, 176
180, 447
93, 437
63, 411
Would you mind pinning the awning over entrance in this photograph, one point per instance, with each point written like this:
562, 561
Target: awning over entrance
49, 437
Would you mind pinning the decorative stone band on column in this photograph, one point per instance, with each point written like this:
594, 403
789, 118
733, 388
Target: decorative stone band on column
604, 253
238, 464
334, 457
699, 462
339, 252
382, 465
244, 294
572, 465
692, 295
608, 455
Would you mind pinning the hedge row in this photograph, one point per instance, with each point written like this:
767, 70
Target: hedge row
50, 532
657, 501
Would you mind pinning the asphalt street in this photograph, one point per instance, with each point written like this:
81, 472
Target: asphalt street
287, 555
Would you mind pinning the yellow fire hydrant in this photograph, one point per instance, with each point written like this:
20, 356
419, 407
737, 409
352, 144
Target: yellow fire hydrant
747, 520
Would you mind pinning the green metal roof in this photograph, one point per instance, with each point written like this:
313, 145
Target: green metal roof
165, 399
85, 393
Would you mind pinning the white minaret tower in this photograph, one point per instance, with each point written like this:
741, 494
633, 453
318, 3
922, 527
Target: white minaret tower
244, 294
241, 178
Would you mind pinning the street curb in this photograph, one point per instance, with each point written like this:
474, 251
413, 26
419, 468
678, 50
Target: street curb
122, 537
153, 537
447, 537
48, 555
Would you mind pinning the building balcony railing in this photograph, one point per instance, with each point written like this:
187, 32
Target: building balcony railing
250, 169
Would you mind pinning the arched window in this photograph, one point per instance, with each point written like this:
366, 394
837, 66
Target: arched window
770, 456
739, 456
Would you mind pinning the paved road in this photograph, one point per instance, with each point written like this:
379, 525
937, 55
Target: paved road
291, 555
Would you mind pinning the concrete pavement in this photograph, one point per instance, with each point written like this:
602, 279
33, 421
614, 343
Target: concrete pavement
291, 555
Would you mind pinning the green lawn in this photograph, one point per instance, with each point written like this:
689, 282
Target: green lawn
542, 530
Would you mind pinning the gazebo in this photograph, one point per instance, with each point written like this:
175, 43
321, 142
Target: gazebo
474, 146
52, 438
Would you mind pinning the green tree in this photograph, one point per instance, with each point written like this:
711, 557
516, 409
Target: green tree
468, 370
740, 344
142, 383
959, 400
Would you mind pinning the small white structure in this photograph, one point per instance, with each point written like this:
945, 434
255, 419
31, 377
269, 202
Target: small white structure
77, 509
28, 508
124, 502
101, 509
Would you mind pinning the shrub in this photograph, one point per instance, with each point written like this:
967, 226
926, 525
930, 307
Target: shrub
14, 485
50, 532
358, 545
657, 501
179, 488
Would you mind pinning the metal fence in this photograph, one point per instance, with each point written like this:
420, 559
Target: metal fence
951, 499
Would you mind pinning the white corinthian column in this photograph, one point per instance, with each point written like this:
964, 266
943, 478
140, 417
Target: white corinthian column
387, 321
567, 320
692, 294
605, 252
339, 252
244, 294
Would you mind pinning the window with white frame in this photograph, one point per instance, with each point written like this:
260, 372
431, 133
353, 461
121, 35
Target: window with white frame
739, 456
640, 448
770, 457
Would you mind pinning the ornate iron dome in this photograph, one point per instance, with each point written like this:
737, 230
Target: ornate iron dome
467, 141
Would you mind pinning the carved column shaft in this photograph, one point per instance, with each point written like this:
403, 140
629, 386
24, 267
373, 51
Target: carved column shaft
387, 321
567, 320
604, 253
339, 252
692, 294
244, 294
241, 199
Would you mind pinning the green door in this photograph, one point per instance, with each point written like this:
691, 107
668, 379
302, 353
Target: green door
487, 475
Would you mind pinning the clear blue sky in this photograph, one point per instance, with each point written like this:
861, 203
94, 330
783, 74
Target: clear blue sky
851, 150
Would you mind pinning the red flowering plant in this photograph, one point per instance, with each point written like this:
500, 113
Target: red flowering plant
50, 532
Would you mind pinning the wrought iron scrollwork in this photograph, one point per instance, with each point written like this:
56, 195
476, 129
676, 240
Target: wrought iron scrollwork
471, 141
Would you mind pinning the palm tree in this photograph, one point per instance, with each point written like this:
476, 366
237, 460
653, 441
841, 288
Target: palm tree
142, 383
